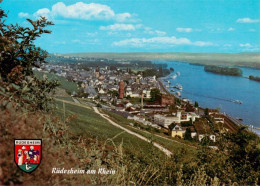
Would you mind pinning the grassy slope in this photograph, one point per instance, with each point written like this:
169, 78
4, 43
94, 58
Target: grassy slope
243, 59
64, 83
90, 124
169, 144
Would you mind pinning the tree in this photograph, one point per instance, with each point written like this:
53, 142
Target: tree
155, 92
53, 71
18, 56
113, 93
187, 135
240, 152
196, 104
172, 108
206, 112
187, 123
17, 46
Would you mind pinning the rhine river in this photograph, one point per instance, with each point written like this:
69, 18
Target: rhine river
217, 91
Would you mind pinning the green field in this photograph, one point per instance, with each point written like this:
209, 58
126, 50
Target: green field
64, 83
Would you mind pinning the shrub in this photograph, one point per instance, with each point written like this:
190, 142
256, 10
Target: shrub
18, 57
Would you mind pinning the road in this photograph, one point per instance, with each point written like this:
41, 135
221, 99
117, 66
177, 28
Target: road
161, 148
161, 87
75, 100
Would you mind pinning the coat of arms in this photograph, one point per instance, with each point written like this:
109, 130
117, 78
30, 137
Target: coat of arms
27, 154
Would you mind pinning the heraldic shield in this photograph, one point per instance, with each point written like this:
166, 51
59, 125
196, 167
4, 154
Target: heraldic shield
28, 154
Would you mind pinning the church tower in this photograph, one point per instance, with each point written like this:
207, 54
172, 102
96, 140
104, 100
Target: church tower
97, 72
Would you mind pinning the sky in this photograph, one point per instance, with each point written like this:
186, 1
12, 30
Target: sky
221, 26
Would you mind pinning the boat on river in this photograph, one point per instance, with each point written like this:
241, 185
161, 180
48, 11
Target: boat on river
174, 76
178, 86
237, 101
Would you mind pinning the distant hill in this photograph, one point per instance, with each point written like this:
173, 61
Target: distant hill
230, 59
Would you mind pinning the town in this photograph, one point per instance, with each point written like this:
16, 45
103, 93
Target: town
145, 101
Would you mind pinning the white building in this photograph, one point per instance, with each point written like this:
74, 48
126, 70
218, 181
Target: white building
165, 121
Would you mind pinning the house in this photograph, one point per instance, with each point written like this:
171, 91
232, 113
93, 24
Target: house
178, 131
91, 92
212, 111
128, 105
147, 93
218, 118
101, 91
179, 117
104, 98
167, 99
165, 121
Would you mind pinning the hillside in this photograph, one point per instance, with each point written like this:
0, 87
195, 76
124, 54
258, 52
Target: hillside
81, 143
240, 59
90, 124
68, 86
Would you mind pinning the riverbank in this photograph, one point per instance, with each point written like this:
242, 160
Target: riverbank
233, 118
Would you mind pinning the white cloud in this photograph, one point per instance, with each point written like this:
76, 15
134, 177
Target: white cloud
23, 14
187, 30
121, 27
248, 45
230, 29
113, 29
171, 41
184, 29
122, 17
80, 10
216, 30
252, 30
83, 42
91, 34
43, 12
161, 33
248, 20
148, 30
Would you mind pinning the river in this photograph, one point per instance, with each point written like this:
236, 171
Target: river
219, 91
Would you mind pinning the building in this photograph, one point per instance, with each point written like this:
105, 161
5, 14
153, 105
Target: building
97, 72
166, 100
178, 131
166, 120
121, 89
